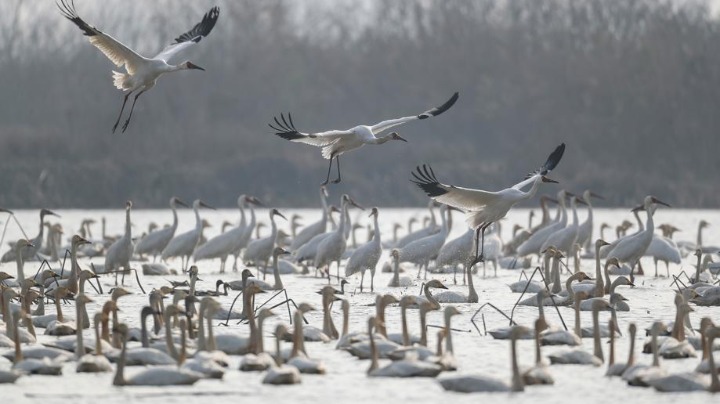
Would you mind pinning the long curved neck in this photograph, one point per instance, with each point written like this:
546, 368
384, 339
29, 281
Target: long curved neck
631, 352
273, 229
98, 345
611, 354
128, 225
557, 285
211, 346
175, 217
699, 234
376, 230
563, 213
573, 204
578, 325
599, 284
58, 309
276, 272
202, 343
259, 342
517, 382
346, 319
72, 283
472, 293
143, 331
168, 337
328, 324
373, 351
405, 334
596, 336
430, 297
80, 346
538, 354
448, 336
714, 381
298, 335
423, 326
20, 264
606, 272
380, 315
396, 272
120, 371
653, 342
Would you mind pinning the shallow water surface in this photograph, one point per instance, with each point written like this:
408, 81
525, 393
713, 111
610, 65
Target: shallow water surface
346, 381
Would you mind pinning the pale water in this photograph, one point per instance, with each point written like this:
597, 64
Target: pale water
346, 382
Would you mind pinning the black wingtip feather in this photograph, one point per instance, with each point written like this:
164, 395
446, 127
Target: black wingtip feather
425, 179
67, 8
285, 130
201, 29
439, 110
553, 159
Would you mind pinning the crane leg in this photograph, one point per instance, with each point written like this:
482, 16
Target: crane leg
327, 179
479, 245
337, 164
362, 278
132, 108
121, 111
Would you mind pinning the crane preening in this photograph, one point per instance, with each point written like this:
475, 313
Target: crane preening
482, 208
142, 72
336, 142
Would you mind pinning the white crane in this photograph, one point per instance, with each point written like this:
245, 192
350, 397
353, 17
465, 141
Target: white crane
314, 229
184, 244
259, 251
367, 255
142, 72
336, 142
431, 228
154, 243
121, 250
630, 249
482, 208
228, 242
585, 231
30, 252
564, 239
533, 245
421, 251
332, 247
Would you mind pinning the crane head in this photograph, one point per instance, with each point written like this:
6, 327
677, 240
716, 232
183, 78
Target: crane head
191, 66
395, 136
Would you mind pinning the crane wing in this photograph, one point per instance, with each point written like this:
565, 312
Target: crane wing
551, 162
285, 128
385, 125
115, 50
458, 197
190, 38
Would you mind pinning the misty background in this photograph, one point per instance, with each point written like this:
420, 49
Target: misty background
631, 86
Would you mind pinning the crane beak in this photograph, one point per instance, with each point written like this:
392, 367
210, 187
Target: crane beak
355, 204
546, 179
205, 205
637, 208
279, 214
580, 201
658, 201
594, 195
181, 203
193, 66
6, 211
256, 201
398, 137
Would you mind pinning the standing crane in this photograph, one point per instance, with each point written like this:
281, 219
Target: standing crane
184, 244
121, 250
155, 242
482, 208
336, 142
142, 73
